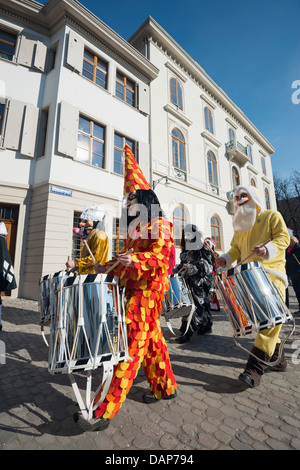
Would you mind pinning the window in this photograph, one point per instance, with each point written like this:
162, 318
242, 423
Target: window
90, 142
178, 149
249, 153
179, 222
263, 165
119, 144
231, 134
235, 177
43, 123
2, 109
267, 199
76, 240
7, 45
125, 89
118, 237
216, 231
95, 69
208, 120
212, 168
253, 182
176, 92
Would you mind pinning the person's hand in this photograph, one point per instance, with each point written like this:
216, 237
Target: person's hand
185, 266
100, 268
260, 251
71, 264
126, 260
221, 261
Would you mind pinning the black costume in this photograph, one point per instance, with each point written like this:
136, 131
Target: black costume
7, 276
198, 276
293, 268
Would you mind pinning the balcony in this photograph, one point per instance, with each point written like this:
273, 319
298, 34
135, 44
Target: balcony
236, 151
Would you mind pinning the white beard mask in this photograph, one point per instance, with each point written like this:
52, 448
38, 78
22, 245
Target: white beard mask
244, 216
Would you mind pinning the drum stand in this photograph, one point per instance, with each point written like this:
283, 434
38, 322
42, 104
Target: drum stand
90, 404
281, 347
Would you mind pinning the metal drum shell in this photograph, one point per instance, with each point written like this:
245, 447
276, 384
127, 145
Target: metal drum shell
88, 324
178, 300
251, 300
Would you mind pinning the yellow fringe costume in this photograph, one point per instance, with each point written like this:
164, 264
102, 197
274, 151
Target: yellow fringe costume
97, 241
269, 225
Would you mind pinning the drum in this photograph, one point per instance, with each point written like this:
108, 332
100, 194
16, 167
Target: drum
178, 300
46, 289
88, 324
251, 300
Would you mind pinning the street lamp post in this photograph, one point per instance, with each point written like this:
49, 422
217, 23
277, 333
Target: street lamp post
156, 182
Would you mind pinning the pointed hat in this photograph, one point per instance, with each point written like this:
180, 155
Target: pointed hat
133, 176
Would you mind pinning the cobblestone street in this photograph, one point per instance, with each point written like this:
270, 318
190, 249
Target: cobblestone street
213, 410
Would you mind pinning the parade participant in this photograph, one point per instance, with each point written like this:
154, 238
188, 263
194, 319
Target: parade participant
144, 276
95, 247
196, 266
214, 302
252, 228
293, 265
7, 276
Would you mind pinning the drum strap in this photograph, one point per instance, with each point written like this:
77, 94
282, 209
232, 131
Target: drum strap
193, 308
90, 405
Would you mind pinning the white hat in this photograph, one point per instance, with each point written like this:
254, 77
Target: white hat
3, 230
253, 193
94, 213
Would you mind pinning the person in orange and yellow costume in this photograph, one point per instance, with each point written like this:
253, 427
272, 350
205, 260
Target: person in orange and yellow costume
143, 273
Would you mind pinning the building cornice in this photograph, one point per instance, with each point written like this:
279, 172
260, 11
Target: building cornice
151, 30
47, 19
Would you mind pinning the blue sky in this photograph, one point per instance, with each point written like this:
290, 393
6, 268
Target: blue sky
251, 49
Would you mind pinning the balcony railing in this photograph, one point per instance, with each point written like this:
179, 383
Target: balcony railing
235, 150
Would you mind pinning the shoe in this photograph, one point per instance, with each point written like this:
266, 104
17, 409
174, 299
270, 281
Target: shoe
282, 365
183, 339
246, 379
95, 424
254, 369
149, 397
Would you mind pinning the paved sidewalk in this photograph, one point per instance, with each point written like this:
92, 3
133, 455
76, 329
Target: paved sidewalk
213, 410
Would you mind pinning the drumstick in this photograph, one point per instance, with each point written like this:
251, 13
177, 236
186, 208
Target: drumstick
117, 262
89, 250
260, 246
180, 270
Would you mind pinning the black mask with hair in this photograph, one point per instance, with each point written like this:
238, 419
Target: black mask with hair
150, 207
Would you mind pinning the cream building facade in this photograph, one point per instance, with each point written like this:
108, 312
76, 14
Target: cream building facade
200, 140
72, 92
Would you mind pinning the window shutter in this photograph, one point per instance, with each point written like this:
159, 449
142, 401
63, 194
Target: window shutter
40, 56
75, 52
144, 105
29, 130
68, 129
25, 55
13, 125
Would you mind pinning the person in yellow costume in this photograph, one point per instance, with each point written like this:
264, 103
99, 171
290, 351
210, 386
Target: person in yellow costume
143, 273
252, 228
92, 231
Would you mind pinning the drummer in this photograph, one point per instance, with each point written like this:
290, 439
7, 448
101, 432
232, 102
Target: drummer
196, 266
252, 228
95, 248
144, 276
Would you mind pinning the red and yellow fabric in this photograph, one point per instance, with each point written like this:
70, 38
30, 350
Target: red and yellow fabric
133, 176
145, 284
